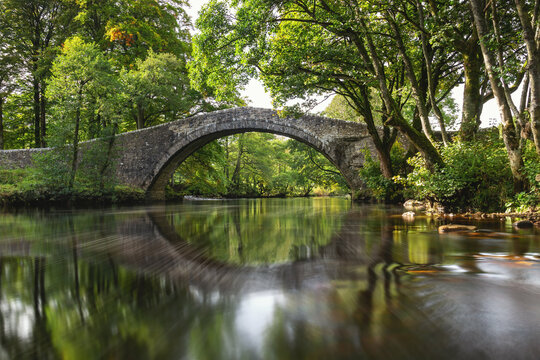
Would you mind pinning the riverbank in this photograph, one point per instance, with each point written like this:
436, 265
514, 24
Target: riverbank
25, 187
415, 207
22, 187
11, 196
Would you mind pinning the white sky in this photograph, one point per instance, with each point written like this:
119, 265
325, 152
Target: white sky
258, 97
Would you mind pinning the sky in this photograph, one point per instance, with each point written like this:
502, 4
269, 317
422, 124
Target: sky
258, 97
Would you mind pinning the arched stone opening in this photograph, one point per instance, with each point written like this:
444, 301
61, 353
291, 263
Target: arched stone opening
180, 151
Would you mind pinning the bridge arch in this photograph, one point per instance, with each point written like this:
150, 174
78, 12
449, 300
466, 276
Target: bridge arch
196, 139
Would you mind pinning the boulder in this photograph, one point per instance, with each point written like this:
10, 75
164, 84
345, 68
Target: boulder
408, 214
414, 205
443, 229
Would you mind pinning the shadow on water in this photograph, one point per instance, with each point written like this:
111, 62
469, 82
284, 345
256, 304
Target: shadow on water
263, 279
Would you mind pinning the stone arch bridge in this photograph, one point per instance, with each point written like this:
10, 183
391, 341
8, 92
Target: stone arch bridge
148, 157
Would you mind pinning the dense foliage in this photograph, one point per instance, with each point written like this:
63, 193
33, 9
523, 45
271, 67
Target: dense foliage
73, 71
476, 175
254, 165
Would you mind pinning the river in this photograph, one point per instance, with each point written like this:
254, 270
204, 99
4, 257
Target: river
316, 278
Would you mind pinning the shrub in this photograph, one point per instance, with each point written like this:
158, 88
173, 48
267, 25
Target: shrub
14, 176
476, 176
528, 200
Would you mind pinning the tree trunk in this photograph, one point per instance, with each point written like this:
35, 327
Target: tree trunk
415, 87
36, 107
510, 138
428, 58
227, 160
530, 34
42, 113
383, 152
519, 116
75, 142
108, 159
140, 117
236, 173
1, 123
395, 117
472, 94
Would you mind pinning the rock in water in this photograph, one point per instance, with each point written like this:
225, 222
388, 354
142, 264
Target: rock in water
408, 214
443, 229
414, 205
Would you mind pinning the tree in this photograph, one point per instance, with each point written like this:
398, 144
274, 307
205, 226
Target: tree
37, 27
302, 50
531, 37
509, 133
127, 30
80, 87
158, 88
9, 62
449, 28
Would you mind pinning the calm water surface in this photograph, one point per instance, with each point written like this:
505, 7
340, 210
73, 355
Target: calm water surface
280, 279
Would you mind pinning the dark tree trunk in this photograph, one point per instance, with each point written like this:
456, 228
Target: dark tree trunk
1, 123
419, 97
42, 113
75, 143
36, 106
395, 117
428, 58
383, 149
236, 173
139, 117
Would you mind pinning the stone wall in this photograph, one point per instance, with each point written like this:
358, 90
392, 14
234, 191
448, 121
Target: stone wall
15, 159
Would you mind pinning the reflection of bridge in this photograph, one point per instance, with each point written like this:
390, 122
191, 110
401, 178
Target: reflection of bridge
148, 157
149, 244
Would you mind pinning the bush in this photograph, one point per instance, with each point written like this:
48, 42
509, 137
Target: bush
528, 200
12, 177
28, 186
476, 176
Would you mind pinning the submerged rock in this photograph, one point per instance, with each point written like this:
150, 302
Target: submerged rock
408, 214
455, 228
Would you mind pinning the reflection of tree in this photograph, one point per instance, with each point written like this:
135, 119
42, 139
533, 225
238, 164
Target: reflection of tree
339, 322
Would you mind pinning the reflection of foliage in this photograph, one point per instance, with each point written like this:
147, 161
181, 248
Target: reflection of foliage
279, 229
